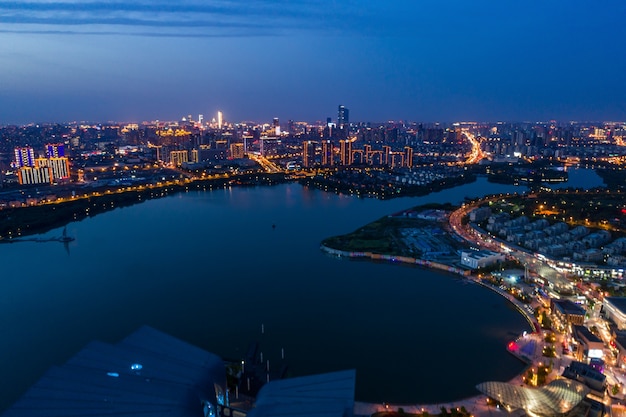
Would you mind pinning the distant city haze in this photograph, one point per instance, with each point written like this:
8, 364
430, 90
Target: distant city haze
423, 60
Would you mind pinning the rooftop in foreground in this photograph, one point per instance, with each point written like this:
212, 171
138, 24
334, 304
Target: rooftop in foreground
557, 398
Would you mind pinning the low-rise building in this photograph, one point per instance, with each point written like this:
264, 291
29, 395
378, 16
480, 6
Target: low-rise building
481, 258
568, 312
589, 345
614, 309
587, 375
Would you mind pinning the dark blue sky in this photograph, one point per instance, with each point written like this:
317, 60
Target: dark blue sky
426, 60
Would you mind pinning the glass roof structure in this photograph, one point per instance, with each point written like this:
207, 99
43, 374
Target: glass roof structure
556, 398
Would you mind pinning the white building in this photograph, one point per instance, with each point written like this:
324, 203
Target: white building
481, 258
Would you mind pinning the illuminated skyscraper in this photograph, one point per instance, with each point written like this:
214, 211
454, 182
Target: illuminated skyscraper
386, 154
343, 117
236, 150
308, 153
327, 153
59, 167
56, 150
408, 157
24, 157
219, 119
178, 157
346, 152
276, 125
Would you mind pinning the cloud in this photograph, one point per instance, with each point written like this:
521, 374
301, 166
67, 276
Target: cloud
184, 18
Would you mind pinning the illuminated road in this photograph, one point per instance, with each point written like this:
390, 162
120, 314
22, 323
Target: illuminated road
476, 155
482, 241
266, 164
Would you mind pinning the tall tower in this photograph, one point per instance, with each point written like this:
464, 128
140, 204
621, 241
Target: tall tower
308, 153
327, 153
276, 125
219, 119
346, 152
343, 117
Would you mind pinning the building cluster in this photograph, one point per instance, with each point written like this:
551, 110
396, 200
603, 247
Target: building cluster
558, 240
48, 168
327, 154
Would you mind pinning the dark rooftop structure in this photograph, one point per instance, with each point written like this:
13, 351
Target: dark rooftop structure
327, 395
581, 372
569, 307
148, 373
582, 331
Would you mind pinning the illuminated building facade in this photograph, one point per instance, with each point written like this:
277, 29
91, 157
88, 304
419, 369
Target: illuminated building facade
308, 153
408, 157
33, 170
24, 157
343, 117
615, 310
345, 149
236, 150
34, 175
178, 157
568, 312
59, 166
55, 150
327, 153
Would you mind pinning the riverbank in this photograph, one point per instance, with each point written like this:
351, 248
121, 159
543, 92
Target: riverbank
40, 218
392, 258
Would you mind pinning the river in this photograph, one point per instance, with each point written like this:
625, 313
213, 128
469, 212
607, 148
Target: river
209, 268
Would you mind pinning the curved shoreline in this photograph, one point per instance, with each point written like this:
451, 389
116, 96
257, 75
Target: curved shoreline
470, 403
532, 321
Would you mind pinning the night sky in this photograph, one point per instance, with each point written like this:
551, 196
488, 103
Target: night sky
420, 60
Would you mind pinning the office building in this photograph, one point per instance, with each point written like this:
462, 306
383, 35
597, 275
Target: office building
343, 117
178, 157
276, 125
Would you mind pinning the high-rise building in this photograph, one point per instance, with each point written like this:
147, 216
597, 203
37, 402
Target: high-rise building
24, 157
55, 150
59, 167
44, 171
327, 153
386, 154
343, 117
219, 119
408, 157
345, 148
276, 125
34, 175
178, 157
236, 150
308, 153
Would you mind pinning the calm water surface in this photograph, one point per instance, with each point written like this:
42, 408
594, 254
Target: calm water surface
208, 267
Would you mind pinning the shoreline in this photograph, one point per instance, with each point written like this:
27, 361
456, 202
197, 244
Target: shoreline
470, 403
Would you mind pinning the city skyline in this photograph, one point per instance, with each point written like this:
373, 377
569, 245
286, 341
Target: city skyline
427, 60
